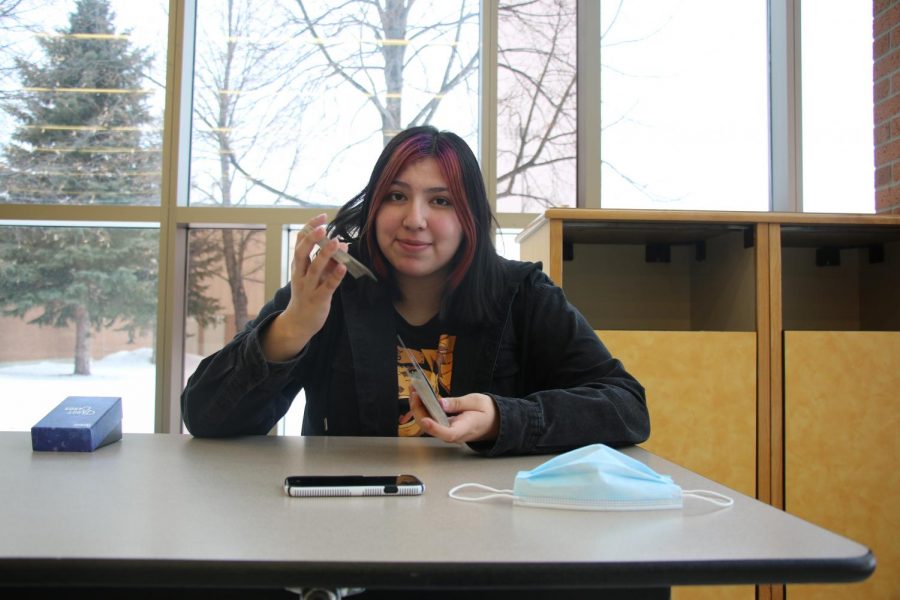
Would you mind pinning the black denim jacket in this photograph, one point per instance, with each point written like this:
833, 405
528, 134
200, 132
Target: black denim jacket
555, 384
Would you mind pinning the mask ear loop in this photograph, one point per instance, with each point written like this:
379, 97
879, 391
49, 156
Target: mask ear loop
495, 493
710, 496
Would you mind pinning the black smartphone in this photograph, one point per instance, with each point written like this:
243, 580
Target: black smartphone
305, 486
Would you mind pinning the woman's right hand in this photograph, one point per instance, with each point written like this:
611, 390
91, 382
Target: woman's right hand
313, 282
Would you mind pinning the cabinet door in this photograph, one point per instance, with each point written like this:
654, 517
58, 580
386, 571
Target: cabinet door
701, 393
842, 442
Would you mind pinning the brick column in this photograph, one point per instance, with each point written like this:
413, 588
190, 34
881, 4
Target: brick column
886, 78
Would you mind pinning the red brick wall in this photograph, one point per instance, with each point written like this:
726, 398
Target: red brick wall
30, 342
886, 54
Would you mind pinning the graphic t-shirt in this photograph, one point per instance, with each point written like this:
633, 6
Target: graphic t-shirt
431, 347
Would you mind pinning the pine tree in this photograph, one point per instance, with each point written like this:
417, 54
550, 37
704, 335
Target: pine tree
81, 140
93, 278
82, 117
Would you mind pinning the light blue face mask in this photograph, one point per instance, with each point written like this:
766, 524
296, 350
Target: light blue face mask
594, 477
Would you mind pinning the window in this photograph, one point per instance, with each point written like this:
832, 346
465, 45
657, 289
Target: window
293, 104
288, 103
79, 313
82, 90
536, 105
684, 105
84, 103
838, 172
226, 269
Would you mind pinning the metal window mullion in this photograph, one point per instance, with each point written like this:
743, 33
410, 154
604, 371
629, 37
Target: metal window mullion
588, 128
487, 116
173, 244
785, 149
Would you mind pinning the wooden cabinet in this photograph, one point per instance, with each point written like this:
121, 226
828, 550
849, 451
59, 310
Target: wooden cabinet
841, 354
769, 344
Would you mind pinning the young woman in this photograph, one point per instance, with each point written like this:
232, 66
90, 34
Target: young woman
517, 368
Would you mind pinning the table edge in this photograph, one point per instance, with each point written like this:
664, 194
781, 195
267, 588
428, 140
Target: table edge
538, 575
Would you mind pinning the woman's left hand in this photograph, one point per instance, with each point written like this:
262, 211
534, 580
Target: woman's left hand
473, 418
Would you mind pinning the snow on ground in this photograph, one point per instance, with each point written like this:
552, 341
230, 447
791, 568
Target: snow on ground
29, 390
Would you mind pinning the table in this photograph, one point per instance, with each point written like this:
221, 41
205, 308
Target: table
167, 509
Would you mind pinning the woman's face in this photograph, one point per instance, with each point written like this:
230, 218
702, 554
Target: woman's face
416, 227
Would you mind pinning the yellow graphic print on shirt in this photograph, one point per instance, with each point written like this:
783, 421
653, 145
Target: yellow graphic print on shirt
437, 364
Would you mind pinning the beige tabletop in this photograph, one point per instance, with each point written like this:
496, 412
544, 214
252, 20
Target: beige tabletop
173, 508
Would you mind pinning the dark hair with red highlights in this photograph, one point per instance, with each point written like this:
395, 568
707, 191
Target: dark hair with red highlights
471, 285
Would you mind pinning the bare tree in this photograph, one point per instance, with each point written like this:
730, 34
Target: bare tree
392, 48
536, 101
537, 132
400, 60
536, 104
246, 99
240, 250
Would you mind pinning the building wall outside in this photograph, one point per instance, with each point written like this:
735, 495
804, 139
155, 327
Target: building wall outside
36, 343
886, 78
33, 342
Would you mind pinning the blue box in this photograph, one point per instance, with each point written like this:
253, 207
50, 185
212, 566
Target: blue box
79, 424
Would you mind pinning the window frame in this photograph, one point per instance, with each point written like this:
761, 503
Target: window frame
175, 217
